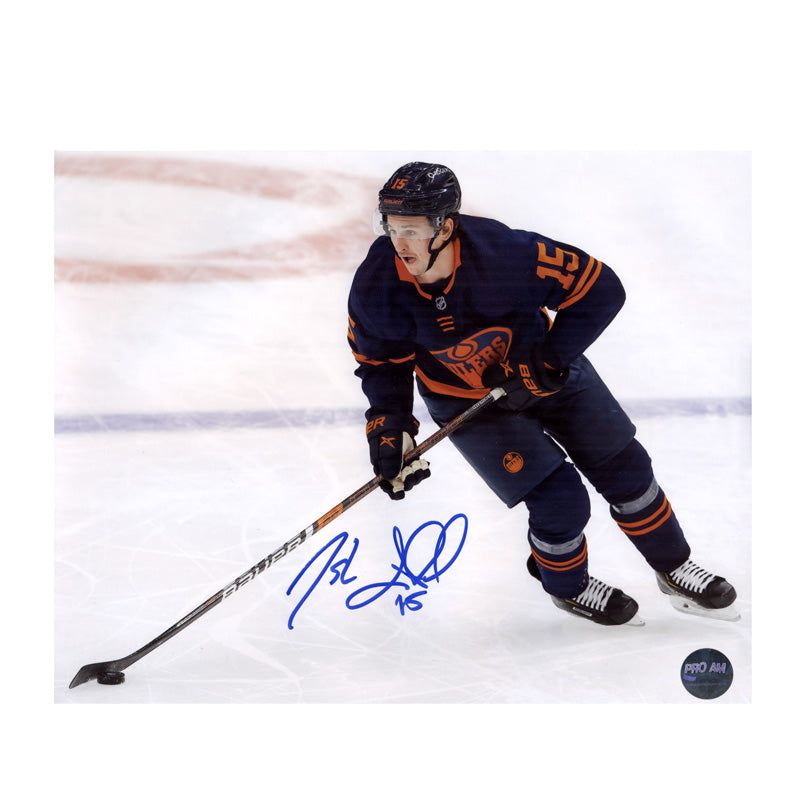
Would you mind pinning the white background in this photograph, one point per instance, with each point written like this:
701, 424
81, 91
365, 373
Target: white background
620, 77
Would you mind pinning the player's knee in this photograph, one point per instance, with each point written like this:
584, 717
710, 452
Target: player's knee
626, 477
559, 506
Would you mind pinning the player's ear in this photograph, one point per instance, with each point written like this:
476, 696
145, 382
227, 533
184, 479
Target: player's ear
446, 231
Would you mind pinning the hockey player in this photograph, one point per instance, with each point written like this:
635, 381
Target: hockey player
460, 304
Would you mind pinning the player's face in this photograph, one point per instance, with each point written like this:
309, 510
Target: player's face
411, 237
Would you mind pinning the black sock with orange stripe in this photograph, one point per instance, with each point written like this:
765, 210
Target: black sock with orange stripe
651, 525
563, 570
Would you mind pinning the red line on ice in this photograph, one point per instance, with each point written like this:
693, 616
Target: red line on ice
338, 249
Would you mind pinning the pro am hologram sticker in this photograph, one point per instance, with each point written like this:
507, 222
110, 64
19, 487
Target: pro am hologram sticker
706, 673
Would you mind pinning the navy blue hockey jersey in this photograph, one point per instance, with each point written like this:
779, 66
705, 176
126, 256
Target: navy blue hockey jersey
492, 307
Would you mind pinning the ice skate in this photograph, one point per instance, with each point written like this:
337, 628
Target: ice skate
598, 602
693, 590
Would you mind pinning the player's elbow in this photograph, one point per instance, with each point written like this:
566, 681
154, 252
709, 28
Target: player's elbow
613, 289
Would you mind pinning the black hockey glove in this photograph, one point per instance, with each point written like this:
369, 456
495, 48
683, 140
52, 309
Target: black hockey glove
525, 382
389, 443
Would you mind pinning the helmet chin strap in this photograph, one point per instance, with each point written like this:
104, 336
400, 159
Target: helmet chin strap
433, 253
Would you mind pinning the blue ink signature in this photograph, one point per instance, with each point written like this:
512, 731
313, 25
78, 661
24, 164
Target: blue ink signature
419, 577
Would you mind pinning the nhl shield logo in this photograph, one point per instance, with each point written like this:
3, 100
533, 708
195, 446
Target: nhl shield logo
441, 303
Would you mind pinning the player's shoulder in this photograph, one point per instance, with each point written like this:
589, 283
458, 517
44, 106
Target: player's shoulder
488, 227
482, 226
375, 280
491, 237
379, 256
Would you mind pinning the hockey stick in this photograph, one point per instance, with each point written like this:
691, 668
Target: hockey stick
112, 671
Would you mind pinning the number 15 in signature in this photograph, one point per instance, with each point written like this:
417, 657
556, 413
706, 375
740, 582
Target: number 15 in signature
424, 557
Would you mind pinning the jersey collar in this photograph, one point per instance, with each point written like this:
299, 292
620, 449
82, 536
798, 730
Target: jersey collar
404, 275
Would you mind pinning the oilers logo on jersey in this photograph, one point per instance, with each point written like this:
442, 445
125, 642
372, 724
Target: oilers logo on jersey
470, 357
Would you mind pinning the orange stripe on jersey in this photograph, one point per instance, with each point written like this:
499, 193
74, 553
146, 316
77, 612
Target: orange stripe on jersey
452, 391
351, 335
446, 323
590, 275
364, 360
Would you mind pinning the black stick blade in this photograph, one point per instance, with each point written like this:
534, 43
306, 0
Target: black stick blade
91, 671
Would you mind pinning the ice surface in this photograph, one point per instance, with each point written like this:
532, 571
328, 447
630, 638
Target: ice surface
206, 412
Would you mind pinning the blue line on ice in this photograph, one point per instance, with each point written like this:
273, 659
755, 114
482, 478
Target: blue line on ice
306, 417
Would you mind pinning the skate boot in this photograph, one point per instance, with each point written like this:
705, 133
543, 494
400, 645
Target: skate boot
598, 602
692, 590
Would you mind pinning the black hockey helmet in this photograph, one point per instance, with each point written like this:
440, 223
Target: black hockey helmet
420, 189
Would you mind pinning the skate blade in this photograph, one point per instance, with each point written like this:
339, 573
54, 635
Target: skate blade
729, 614
636, 621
